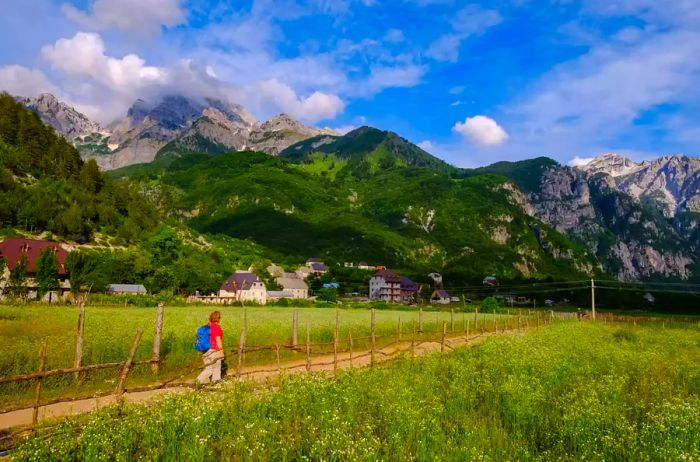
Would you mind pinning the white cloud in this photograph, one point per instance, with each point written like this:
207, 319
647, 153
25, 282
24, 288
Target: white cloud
84, 55
580, 161
343, 129
481, 130
315, 107
469, 21
382, 77
588, 102
142, 16
427, 146
21, 81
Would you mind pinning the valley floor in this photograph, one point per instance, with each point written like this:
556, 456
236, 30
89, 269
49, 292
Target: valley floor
570, 391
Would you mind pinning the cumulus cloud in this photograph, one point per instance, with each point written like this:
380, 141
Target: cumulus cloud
481, 130
580, 161
142, 16
21, 81
84, 55
315, 107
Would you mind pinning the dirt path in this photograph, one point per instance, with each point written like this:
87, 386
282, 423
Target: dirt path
259, 373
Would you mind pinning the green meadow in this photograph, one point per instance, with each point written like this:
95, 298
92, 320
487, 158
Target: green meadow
109, 331
569, 391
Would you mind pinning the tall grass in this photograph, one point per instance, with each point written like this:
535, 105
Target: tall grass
571, 391
110, 330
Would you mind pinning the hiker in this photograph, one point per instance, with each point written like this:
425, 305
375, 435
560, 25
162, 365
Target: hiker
215, 353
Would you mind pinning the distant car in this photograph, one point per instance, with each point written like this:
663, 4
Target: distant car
454, 299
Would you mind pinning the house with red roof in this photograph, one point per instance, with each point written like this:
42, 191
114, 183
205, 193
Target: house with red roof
385, 285
12, 250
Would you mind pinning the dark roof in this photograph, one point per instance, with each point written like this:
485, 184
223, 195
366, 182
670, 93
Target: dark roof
318, 266
127, 288
442, 293
388, 275
408, 285
11, 249
241, 280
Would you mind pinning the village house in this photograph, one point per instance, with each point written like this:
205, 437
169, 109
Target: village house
278, 294
303, 272
295, 286
275, 271
385, 285
440, 297
409, 290
11, 250
316, 265
244, 286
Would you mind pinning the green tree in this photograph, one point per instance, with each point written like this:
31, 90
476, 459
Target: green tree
80, 266
489, 305
18, 278
90, 176
328, 294
3, 265
46, 272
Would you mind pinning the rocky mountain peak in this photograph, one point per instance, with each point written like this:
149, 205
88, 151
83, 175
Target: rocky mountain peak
612, 164
67, 121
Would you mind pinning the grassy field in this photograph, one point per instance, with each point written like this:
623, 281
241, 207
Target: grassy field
570, 391
110, 330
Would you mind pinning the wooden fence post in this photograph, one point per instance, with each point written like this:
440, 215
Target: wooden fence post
241, 351
295, 328
37, 389
372, 335
350, 343
466, 337
127, 365
308, 346
277, 353
420, 319
156, 339
452, 320
413, 341
335, 342
444, 333
77, 361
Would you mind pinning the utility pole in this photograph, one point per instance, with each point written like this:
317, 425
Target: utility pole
593, 298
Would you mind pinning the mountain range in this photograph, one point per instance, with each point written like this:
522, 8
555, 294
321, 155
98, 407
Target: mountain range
169, 126
372, 195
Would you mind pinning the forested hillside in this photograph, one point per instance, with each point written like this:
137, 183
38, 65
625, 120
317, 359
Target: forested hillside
414, 218
45, 186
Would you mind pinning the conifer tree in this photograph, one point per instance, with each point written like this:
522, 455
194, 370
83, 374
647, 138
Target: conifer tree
46, 272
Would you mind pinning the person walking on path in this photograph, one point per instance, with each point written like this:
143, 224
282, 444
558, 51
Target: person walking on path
215, 355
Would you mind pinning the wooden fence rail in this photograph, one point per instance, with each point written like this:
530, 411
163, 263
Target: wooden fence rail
419, 336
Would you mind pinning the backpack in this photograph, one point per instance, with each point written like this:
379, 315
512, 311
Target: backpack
202, 343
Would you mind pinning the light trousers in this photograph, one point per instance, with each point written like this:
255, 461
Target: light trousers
212, 367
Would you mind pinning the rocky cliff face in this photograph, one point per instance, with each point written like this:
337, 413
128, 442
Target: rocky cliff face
671, 183
67, 122
630, 237
279, 133
170, 126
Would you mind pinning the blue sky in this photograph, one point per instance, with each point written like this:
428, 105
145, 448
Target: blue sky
470, 82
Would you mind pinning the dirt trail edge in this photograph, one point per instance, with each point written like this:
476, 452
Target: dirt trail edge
23, 417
